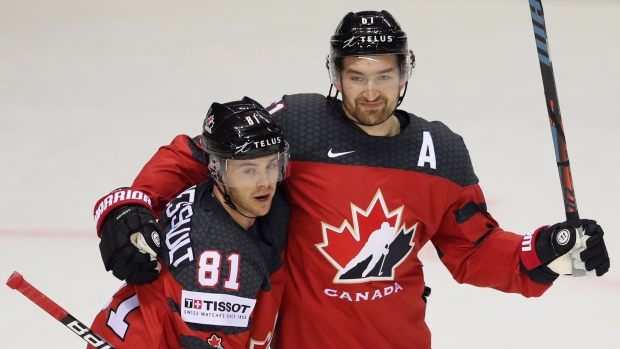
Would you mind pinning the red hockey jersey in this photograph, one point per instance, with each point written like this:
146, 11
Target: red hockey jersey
361, 208
220, 287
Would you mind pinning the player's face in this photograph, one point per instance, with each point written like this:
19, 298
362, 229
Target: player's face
370, 86
252, 183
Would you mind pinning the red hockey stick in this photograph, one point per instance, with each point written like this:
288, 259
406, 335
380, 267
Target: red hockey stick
17, 282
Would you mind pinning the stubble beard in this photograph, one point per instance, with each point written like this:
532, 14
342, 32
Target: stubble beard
368, 117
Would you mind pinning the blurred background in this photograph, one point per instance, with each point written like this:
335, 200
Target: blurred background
90, 89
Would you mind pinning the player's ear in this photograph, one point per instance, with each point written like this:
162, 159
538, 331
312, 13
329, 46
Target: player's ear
402, 86
338, 86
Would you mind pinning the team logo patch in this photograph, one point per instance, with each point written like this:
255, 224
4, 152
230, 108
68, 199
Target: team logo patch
209, 122
380, 243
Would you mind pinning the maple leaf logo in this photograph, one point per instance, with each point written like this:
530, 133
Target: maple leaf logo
376, 243
215, 341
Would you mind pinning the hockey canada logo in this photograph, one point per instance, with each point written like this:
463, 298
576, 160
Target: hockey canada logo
209, 122
371, 247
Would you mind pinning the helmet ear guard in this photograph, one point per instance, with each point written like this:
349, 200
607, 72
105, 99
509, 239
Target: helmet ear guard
215, 167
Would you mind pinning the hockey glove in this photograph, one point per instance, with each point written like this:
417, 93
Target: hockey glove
130, 243
560, 249
545, 252
592, 256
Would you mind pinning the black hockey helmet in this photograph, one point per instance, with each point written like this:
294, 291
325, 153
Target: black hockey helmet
368, 33
235, 135
241, 130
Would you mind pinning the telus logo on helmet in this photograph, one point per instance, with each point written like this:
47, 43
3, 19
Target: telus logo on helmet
367, 39
259, 144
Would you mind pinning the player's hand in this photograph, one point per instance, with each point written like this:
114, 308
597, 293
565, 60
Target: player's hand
130, 243
591, 256
560, 249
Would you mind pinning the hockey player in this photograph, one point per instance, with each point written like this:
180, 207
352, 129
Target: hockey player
221, 244
360, 166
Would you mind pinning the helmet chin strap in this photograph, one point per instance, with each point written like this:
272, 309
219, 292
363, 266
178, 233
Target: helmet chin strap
329, 95
400, 98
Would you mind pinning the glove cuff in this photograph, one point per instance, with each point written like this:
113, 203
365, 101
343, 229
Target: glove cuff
529, 258
119, 197
542, 275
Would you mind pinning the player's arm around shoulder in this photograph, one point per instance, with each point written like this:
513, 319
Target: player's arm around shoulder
172, 169
126, 218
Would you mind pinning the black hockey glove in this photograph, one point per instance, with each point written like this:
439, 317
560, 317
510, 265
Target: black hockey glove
130, 243
560, 249
592, 255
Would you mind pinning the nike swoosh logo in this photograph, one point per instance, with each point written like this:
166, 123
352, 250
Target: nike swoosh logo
335, 155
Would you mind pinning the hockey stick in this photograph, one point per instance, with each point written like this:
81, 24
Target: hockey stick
555, 119
17, 282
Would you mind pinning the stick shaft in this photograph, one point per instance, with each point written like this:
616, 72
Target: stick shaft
17, 282
553, 110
